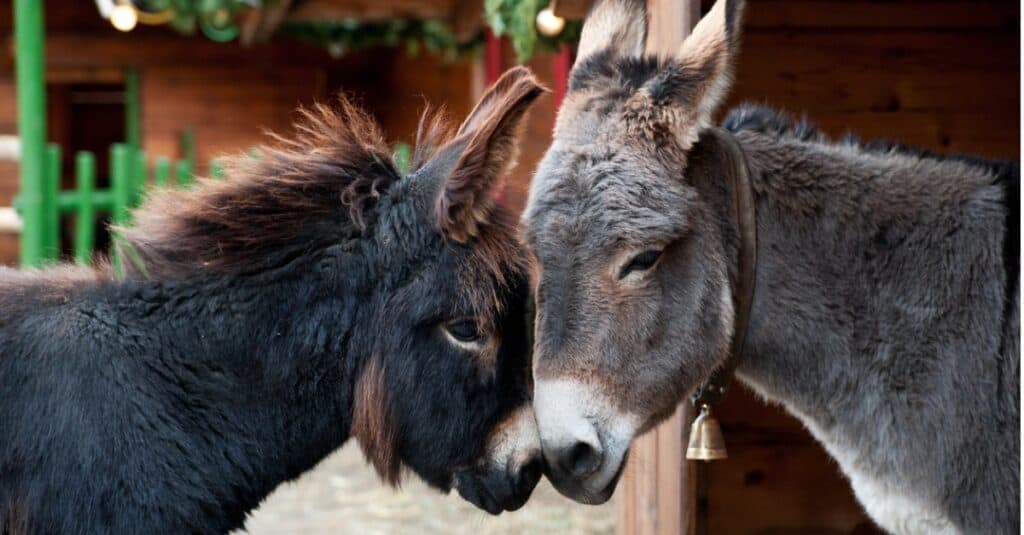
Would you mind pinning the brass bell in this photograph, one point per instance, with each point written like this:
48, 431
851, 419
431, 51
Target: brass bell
706, 440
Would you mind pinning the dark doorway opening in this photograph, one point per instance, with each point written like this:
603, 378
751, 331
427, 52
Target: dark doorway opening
85, 116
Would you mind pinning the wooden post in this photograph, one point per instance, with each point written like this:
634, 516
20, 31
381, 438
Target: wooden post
668, 23
658, 490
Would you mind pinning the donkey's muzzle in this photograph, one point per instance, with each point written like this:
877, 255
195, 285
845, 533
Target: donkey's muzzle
495, 490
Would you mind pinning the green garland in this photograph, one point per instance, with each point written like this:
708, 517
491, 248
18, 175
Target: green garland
217, 19
517, 19
414, 35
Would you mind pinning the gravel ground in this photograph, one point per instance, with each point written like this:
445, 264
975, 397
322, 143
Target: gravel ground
342, 495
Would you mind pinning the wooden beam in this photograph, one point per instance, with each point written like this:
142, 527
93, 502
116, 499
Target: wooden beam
467, 18
160, 46
250, 24
371, 10
273, 16
668, 22
572, 9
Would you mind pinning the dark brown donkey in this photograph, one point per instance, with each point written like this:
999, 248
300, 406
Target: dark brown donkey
317, 294
885, 312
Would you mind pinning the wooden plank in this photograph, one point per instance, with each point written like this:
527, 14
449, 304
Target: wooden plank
8, 107
8, 249
946, 15
885, 85
672, 478
647, 467
84, 75
160, 46
881, 71
656, 492
827, 15
777, 482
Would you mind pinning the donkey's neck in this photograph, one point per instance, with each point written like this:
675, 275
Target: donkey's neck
881, 290
231, 386
860, 254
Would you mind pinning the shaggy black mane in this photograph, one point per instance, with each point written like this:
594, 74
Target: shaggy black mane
313, 186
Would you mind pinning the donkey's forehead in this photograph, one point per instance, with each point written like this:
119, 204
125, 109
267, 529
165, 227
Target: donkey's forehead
600, 197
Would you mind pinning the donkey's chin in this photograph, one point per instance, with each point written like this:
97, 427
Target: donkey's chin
511, 467
496, 490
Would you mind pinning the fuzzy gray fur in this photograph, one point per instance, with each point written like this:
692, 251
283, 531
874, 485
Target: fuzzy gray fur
885, 317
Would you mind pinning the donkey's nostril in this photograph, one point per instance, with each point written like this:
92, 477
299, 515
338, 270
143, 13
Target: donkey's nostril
580, 460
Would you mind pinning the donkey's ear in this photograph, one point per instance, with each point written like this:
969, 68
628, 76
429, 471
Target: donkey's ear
701, 74
487, 143
710, 50
616, 26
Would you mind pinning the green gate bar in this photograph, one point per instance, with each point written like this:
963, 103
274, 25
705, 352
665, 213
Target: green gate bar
216, 169
30, 88
138, 178
121, 181
188, 147
161, 171
184, 171
51, 216
85, 173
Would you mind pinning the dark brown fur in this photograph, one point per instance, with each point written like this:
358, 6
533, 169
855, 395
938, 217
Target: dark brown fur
372, 424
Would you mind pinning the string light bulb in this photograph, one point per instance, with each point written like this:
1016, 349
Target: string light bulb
548, 23
123, 17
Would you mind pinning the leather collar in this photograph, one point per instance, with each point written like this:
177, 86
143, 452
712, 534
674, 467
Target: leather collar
745, 216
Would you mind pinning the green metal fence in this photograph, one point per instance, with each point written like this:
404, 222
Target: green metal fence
130, 174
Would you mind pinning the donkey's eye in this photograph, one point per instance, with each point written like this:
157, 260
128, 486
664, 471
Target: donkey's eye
463, 331
641, 262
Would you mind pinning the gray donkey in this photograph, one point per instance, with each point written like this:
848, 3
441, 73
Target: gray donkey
886, 306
